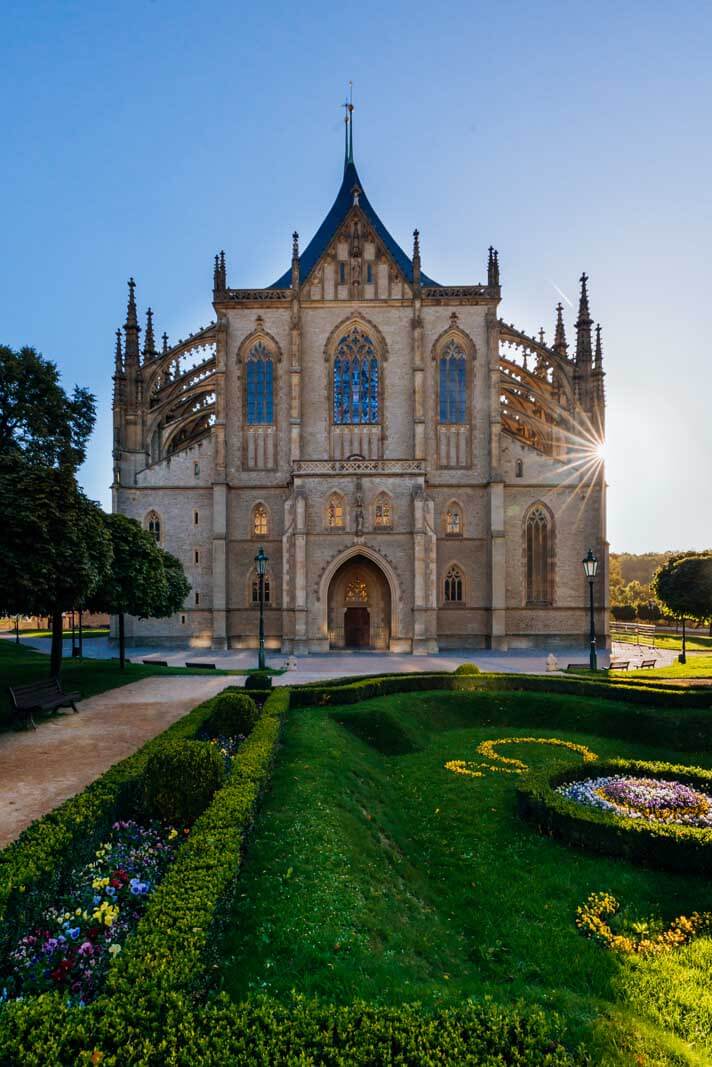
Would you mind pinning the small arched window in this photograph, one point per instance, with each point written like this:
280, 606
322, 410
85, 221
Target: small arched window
256, 590
259, 373
356, 380
519, 468
153, 525
453, 586
453, 383
383, 511
335, 518
453, 521
260, 521
538, 546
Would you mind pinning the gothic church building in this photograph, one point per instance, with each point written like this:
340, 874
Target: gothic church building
422, 475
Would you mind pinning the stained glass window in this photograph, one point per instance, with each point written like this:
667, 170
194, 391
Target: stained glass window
453, 586
356, 380
383, 511
453, 384
538, 585
259, 521
259, 373
356, 591
335, 512
453, 522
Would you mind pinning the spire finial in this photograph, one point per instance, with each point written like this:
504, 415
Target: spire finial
348, 107
164, 338
493, 268
560, 345
118, 358
416, 257
598, 356
131, 319
295, 245
583, 327
149, 344
541, 335
219, 274
131, 327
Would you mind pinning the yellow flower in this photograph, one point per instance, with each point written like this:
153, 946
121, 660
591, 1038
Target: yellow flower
507, 765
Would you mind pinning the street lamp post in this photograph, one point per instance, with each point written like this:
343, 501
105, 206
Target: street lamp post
261, 564
590, 568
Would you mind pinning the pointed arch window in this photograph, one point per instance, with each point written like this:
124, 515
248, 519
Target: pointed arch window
453, 590
383, 511
453, 521
335, 517
356, 380
538, 556
453, 383
259, 394
153, 525
256, 590
260, 521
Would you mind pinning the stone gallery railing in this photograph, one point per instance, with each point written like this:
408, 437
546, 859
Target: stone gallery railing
359, 466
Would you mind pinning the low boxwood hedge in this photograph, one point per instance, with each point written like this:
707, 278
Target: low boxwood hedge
672, 847
33, 867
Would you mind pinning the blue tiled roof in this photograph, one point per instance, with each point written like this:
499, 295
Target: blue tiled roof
330, 226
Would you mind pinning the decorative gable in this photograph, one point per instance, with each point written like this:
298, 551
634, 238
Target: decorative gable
356, 265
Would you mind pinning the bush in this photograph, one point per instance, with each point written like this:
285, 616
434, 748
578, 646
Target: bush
467, 668
179, 780
673, 847
234, 714
258, 681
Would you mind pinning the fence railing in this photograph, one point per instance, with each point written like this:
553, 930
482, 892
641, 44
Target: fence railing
642, 632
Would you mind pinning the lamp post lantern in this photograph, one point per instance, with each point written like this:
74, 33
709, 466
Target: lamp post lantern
590, 569
261, 565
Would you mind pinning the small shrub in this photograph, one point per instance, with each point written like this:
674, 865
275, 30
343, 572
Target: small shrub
179, 780
234, 714
258, 681
467, 668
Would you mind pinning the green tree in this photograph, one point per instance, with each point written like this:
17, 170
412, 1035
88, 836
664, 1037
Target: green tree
684, 586
55, 547
143, 580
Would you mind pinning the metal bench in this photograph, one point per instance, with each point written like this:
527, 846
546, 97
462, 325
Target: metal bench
40, 696
648, 663
202, 666
619, 665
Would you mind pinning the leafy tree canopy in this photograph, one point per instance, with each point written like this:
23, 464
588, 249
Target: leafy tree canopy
37, 417
684, 586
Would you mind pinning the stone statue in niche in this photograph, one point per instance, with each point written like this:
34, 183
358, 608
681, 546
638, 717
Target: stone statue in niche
358, 510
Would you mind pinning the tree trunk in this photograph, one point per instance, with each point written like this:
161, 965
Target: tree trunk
55, 659
122, 642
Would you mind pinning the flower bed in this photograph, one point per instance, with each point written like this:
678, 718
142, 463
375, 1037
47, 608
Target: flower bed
507, 765
595, 918
70, 949
653, 799
553, 803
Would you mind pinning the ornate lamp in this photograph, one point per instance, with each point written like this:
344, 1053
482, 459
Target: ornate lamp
261, 565
590, 569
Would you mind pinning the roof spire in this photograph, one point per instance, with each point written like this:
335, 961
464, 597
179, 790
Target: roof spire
560, 346
131, 327
295, 260
118, 358
164, 338
149, 344
219, 274
598, 357
493, 268
583, 327
541, 335
416, 257
348, 107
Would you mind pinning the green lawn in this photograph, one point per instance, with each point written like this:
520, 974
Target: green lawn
86, 633
698, 642
19, 666
375, 873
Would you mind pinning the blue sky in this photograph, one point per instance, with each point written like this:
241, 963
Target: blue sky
142, 137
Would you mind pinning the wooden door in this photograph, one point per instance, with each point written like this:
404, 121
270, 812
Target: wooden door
357, 628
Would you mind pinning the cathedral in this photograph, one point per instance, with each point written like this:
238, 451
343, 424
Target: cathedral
421, 474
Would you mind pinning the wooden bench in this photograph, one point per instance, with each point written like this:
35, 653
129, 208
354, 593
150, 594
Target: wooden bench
202, 666
578, 667
619, 665
648, 663
156, 662
40, 696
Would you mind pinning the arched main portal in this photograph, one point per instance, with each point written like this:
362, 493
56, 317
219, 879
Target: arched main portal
359, 606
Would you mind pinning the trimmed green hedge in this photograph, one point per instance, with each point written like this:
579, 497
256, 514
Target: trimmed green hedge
33, 868
685, 849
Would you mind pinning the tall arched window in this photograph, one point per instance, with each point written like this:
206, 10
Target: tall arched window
335, 517
356, 380
383, 511
153, 525
260, 521
453, 521
256, 590
259, 373
453, 586
453, 384
538, 553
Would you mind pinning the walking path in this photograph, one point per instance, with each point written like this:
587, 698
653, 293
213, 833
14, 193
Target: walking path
41, 768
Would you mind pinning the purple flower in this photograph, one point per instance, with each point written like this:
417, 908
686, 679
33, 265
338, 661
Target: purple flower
651, 799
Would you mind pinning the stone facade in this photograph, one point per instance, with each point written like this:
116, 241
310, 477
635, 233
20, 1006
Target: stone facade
438, 493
